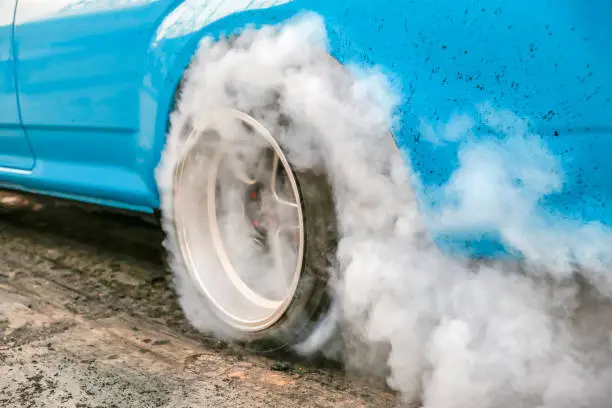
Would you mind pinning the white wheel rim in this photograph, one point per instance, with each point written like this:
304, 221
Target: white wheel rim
232, 298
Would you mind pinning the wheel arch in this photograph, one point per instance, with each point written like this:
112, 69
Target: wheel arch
170, 52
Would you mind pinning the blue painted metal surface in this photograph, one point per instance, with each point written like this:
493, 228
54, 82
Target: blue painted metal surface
15, 152
96, 81
545, 60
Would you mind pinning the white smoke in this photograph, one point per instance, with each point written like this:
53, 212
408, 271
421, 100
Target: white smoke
452, 334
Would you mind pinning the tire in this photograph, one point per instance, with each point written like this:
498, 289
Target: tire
311, 302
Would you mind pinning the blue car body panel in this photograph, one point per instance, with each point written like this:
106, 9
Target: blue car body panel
548, 61
15, 151
96, 81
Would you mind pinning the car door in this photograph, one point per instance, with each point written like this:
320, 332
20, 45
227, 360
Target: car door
15, 152
80, 72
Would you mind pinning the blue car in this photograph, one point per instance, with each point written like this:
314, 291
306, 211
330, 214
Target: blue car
271, 134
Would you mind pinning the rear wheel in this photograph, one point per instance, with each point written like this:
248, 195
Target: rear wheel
251, 238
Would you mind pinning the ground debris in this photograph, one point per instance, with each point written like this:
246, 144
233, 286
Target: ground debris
80, 292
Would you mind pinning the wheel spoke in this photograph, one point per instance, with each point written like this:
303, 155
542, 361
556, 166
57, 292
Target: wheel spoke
237, 168
273, 184
242, 176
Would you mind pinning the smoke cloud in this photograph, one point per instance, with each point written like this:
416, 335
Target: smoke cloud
446, 332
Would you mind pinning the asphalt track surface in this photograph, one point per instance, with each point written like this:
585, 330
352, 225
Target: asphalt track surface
88, 318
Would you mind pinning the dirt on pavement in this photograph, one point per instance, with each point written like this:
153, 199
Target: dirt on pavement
88, 318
